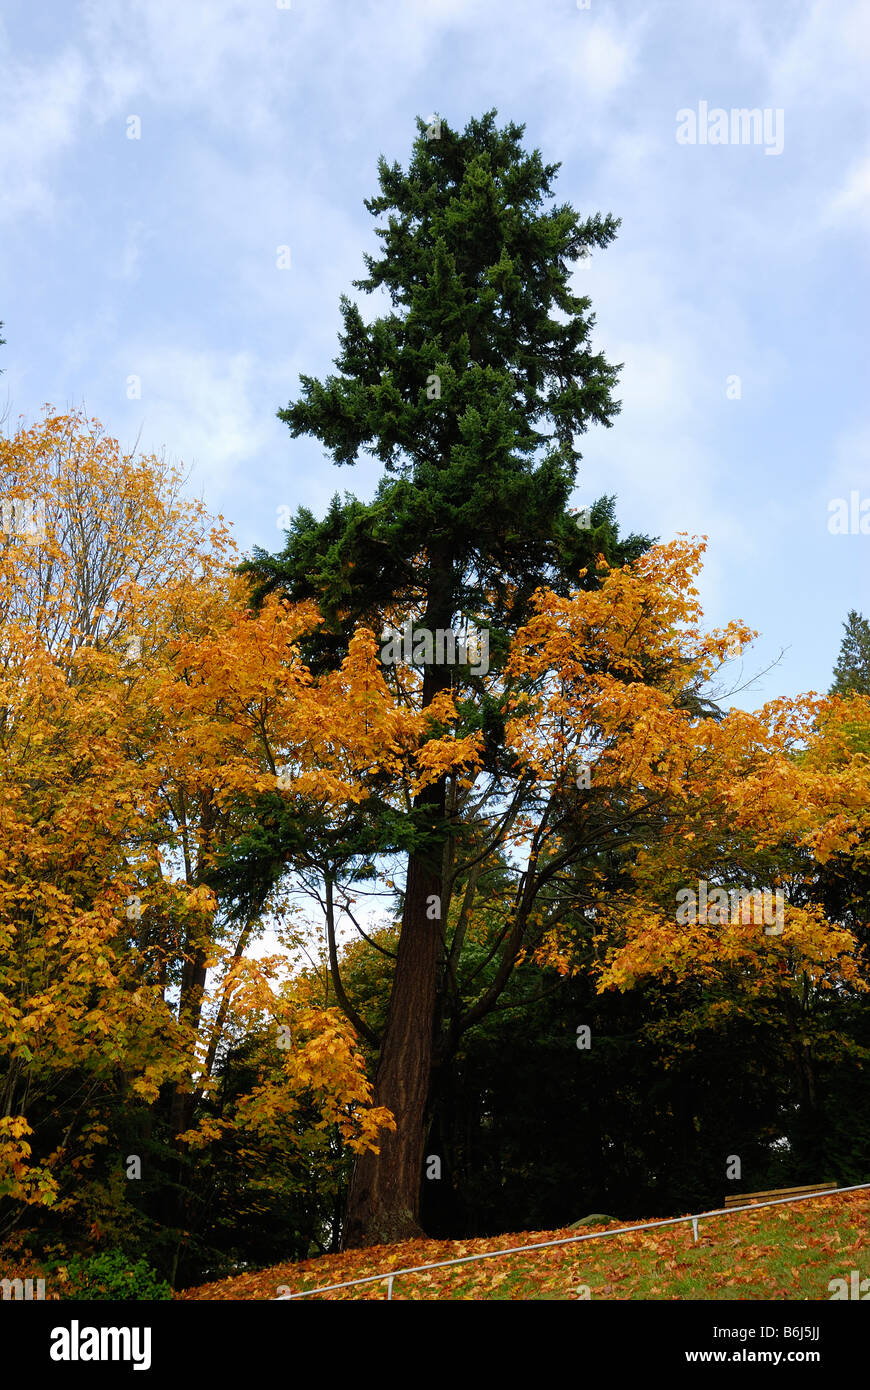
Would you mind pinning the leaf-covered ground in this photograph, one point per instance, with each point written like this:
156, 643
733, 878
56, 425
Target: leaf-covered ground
785, 1252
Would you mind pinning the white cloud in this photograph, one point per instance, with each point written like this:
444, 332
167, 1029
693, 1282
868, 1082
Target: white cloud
851, 205
849, 465
40, 113
200, 403
600, 58
824, 62
128, 264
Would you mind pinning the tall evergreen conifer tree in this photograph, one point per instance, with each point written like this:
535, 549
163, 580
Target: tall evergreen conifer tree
472, 392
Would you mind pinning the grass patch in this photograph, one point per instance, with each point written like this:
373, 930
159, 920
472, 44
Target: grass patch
786, 1252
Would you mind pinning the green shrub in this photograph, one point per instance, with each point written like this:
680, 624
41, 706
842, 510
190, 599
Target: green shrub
111, 1276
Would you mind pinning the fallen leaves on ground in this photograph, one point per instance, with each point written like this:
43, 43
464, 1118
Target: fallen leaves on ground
749, 1255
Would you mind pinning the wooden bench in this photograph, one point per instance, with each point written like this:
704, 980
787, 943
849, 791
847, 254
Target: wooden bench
744, 1199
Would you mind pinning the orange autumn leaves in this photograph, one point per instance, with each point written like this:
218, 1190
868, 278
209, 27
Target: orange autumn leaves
263, 723
140, 703
319, 1058
610, 680
77, 799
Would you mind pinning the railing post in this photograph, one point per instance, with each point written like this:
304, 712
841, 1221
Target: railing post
390, 1278
695, 1227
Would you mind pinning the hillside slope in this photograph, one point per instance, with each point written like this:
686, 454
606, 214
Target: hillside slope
785, 1252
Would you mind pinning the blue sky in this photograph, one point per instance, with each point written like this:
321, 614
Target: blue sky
261, 126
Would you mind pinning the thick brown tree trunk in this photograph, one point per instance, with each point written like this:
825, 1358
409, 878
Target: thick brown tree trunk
384, 1198
383, 1204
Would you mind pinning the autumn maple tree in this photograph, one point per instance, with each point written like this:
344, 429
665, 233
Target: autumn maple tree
147, 717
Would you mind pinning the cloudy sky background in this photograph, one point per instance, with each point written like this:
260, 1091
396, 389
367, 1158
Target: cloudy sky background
261, 127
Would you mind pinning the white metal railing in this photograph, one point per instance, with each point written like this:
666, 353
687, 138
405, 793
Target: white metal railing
567, 1240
